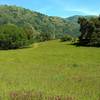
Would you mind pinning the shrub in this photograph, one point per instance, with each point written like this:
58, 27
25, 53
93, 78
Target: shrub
12, 37
66, 38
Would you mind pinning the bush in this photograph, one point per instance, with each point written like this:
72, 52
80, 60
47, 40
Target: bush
12, 37
66, 38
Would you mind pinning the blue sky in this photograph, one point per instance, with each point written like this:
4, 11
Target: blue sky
62, 8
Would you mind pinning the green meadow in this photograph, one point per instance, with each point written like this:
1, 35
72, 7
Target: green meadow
50, 70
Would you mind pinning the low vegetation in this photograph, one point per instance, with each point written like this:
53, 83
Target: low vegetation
50, 69
66, 37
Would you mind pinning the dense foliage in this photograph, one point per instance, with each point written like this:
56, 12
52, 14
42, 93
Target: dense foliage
90, 30
12, 37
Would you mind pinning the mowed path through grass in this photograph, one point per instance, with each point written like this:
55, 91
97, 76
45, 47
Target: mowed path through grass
53, 68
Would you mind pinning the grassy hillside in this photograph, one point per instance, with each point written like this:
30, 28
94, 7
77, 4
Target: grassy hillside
50, 69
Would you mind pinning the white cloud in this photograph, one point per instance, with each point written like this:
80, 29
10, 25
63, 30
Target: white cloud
84, 11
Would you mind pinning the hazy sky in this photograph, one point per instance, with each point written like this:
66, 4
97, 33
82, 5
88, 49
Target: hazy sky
62, 8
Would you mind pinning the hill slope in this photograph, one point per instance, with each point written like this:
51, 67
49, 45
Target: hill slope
40, 22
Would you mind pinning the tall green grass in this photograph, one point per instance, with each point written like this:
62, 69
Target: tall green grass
50, 69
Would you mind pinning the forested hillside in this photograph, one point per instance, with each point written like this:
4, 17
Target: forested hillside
46, 26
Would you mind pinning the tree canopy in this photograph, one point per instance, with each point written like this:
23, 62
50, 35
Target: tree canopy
12, 37
90, 31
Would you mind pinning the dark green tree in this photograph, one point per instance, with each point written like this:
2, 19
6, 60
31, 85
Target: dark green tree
90, 31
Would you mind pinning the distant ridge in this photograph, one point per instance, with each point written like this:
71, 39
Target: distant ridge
40, 22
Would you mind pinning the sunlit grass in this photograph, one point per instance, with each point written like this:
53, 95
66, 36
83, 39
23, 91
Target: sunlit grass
52, 68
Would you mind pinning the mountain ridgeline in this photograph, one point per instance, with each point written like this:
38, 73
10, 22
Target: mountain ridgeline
42, 24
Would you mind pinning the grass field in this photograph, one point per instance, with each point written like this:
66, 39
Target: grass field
51, 70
